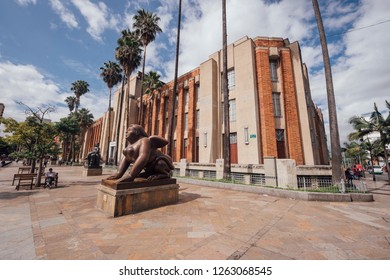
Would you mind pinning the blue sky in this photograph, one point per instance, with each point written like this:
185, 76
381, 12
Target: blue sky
45, 45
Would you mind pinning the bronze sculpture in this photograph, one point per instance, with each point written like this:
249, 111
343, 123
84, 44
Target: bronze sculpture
149, 163
93, 157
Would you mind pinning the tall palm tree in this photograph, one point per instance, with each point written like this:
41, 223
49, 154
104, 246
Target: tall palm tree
333, 125
112, 75
225, 94
79, 88
71, 101
172, 113
152, 84
376, 123
146, 27
84, 119
128, 53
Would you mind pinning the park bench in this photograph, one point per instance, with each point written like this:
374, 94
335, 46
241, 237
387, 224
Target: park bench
24, 177
25, 169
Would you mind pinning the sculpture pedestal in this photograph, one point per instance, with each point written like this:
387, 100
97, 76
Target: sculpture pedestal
118, 199
92, 171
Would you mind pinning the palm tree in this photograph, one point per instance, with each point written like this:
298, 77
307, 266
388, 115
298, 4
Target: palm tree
225, 94
376, 123
84, 119
71, 101
79, 88
152, 84
128, 53
146, 27
112, 75
333, 125
172, 113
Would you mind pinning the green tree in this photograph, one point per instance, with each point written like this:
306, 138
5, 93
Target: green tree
79, 88
146, 27
84, 120
128, 53
37, 134
376, 123
71, 101
67, 127
112, 75
152, 84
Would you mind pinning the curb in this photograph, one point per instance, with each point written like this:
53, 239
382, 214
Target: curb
308, 196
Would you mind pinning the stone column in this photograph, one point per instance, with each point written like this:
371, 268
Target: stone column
183, 167
270, 170
219, 168
286, 173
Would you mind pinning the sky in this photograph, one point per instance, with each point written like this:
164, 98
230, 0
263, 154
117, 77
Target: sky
46, 45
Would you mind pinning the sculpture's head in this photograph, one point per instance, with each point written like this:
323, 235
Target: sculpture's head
135, 132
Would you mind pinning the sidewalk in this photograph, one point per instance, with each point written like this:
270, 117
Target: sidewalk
207, 223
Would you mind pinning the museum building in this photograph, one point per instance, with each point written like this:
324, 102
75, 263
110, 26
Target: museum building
270, 108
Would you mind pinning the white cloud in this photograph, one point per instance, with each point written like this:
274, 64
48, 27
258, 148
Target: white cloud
25, 83
360, 77
25, 3
98, 17
65, 14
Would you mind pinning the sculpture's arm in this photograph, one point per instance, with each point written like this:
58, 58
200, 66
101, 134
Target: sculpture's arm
124, 164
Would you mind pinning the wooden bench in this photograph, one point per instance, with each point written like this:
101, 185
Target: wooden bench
24, 177
25, 169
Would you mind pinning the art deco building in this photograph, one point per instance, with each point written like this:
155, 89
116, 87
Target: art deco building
270, 107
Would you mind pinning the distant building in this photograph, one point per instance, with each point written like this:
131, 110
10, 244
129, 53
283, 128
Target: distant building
271, 110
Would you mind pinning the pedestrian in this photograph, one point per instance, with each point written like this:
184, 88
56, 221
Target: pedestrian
50, 178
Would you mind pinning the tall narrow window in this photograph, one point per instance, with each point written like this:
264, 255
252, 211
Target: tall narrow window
196, 92
231, 79
276, 103
274, 70
197, 119
185, 97
186, 121
232, 110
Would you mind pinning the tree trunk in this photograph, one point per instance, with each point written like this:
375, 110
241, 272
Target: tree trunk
109, 129
333, 125
172, 114
141, 107
225, 94
119, 121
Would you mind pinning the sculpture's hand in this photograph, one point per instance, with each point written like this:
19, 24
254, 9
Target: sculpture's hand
128, 178
113, 177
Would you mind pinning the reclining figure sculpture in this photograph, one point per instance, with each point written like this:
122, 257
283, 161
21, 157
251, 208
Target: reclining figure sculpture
149, 163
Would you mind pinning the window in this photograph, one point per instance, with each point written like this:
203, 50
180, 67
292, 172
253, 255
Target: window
197, 119
276, 103
185, 97
280, 135
232, 110
196, 92
186, 121
274, 70
231, 79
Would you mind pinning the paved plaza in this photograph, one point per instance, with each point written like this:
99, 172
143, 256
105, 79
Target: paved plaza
206, 224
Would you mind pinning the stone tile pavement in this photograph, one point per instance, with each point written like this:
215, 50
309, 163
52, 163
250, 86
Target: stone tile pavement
207, 223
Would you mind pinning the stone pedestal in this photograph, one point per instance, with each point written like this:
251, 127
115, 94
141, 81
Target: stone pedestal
92, 171
118, 199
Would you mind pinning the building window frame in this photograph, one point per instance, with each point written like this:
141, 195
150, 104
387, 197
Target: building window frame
273, 65
277, 104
